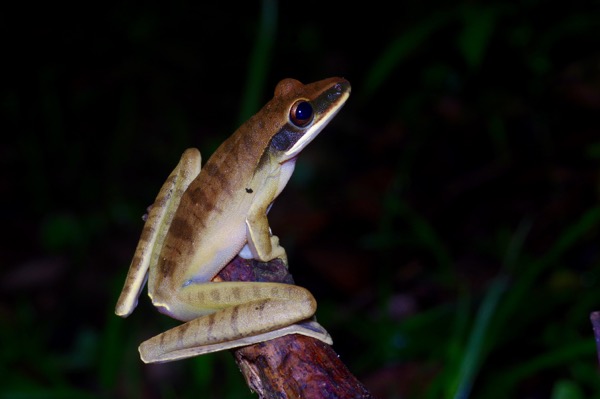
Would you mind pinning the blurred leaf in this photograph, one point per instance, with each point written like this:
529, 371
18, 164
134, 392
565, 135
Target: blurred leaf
259, 60
526, 278
593, 151
572, 234
400, 49
43, 393
203, 371
527, 368
61, 231
476, 348
566, 389
479, 22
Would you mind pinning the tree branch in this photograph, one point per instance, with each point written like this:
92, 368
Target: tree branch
292, 366
595, 319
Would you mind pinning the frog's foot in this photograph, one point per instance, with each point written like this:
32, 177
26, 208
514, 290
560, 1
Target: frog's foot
277, 251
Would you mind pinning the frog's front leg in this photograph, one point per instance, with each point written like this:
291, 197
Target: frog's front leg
248, 313
263, 245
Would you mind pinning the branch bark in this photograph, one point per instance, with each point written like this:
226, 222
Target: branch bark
595, 319
292, 366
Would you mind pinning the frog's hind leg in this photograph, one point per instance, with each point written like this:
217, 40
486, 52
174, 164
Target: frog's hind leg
158, 220
273, 313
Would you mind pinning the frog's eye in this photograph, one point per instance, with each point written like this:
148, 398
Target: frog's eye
301, 113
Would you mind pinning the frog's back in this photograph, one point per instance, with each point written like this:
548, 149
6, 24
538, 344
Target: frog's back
208, 228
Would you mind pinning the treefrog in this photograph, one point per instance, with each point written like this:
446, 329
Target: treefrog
203, 217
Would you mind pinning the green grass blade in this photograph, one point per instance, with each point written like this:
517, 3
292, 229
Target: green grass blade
523, 283
509, 380
479, 23
399, 49
460, 388
259, 60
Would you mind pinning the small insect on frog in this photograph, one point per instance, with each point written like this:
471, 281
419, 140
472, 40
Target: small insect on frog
202, 218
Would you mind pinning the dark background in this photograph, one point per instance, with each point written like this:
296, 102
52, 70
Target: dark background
447, 220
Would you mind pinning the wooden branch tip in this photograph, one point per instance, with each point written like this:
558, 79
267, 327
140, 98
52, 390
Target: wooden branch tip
292, 366
595, 319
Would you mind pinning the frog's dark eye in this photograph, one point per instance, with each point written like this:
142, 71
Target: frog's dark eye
301, 113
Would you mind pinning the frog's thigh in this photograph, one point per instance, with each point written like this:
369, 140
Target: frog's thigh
253, 313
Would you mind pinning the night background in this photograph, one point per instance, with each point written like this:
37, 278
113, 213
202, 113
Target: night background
447, 220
